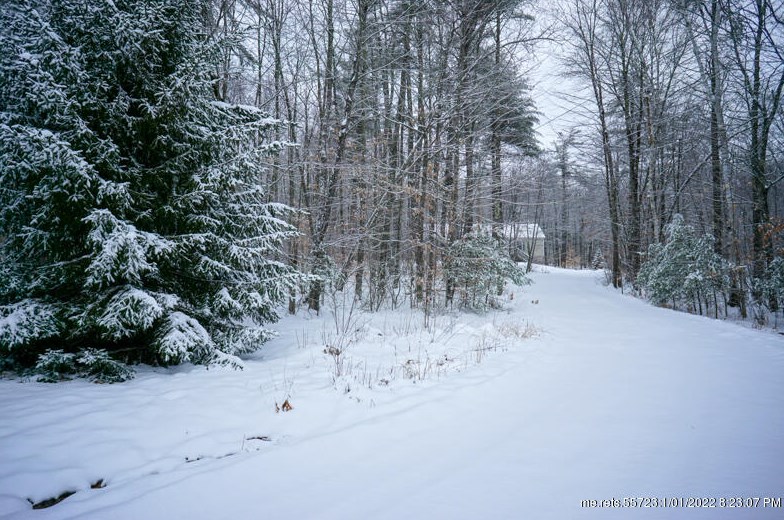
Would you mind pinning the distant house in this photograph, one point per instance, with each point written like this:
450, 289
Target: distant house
523, 240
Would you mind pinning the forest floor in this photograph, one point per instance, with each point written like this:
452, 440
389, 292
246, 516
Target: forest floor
573, 392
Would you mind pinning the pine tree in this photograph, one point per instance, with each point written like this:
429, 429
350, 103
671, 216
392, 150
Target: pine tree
132, 217
479, 266
684, 269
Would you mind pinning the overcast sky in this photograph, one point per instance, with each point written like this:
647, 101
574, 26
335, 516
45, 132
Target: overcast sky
560, 99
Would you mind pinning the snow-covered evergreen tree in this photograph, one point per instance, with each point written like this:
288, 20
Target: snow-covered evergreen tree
684, 269
479, 266
771, 287
131, 217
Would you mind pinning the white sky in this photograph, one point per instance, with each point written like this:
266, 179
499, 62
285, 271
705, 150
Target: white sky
557, 97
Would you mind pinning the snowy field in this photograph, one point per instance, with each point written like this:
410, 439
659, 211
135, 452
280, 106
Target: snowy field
573, 392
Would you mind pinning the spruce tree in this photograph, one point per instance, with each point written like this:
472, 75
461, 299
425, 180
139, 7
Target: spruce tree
684, 269
479, 267
131, 214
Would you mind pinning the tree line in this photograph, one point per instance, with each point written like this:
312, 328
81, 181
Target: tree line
401, 114
424, 113
685, 97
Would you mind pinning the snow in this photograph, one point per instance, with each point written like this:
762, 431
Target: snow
121, 250
183, 339
128, 310
471, 417
27, 318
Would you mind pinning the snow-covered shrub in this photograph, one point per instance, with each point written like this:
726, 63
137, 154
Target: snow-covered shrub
183, 339
478, 266
325, 271
598, 261
769, 290
57, 365
125, 312
684, 269
100, 367
131, 215
24, 322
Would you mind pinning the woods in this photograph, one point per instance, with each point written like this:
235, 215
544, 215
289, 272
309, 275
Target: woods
171, 174
398, 141
686, 99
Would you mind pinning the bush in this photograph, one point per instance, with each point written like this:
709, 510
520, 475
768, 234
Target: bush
478, 267
98, 366
684, 269
94, 364
770, 289
56, 365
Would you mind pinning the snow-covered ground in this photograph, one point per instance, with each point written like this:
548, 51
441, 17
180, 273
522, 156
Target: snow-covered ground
473, 416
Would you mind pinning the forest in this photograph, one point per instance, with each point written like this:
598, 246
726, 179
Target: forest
175, 175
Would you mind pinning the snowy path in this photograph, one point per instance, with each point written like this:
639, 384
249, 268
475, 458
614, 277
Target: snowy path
614, 399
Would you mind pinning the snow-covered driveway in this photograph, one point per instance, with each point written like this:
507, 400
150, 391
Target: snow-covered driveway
614, 399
